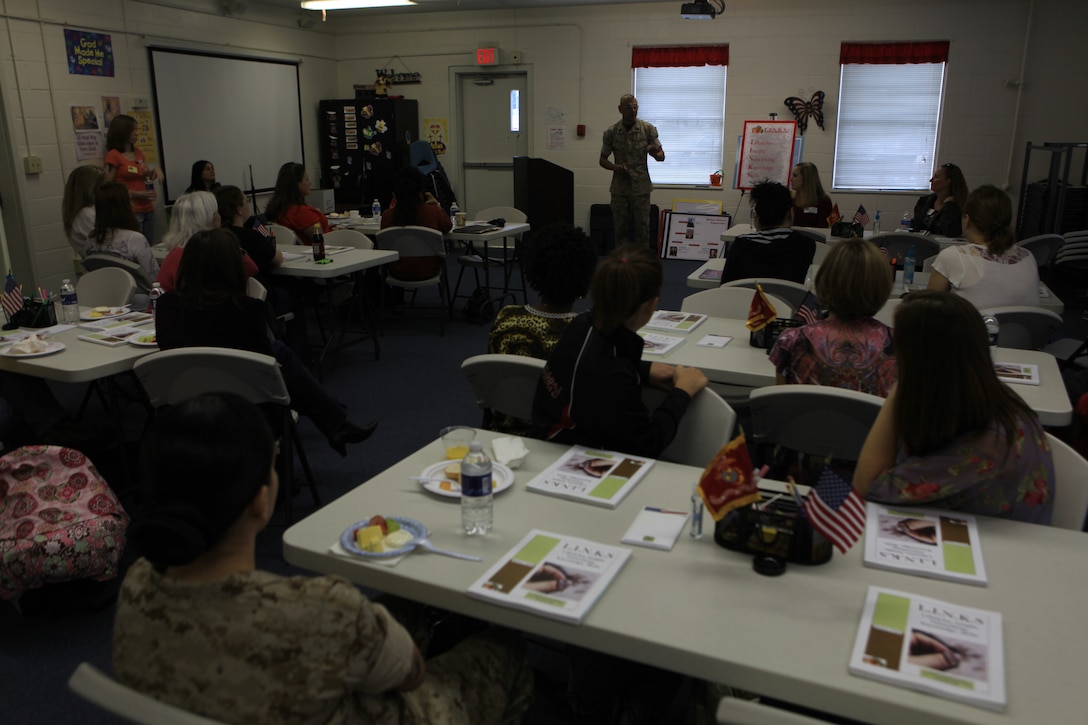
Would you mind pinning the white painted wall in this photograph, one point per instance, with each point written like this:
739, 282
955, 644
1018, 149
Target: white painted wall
579, 62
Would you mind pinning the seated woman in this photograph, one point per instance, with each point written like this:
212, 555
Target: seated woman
951, 434
77, 207
591, 390
288, 203
774, 251
192, 213
990, 271
198, 626
940, 212
210, 308
116, 230
558, 261
811, 205
849, 349
235, 214
203, 177
414, 206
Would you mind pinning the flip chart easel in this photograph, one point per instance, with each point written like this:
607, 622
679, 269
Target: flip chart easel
766, 153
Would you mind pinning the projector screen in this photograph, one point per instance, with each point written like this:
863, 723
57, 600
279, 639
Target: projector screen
235, 112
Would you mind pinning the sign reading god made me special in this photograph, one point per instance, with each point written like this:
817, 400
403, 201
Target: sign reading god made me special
89, 54
766, 153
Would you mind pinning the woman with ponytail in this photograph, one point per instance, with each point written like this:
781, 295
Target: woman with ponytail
989, 271
591, 390
198, 626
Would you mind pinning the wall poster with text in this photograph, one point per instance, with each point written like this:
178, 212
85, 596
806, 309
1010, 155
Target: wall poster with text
89, 54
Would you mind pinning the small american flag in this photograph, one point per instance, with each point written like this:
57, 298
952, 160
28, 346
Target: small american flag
12, 299
809, 311
861, 216
835, 510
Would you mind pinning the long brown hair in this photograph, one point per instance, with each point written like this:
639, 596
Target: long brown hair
623, 281
811, 192
210, 271
854, 281
947, 384
79, 192
112, 210
989, 210
121, 128
286, 193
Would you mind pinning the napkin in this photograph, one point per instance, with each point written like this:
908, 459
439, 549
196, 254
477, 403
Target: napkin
509, 451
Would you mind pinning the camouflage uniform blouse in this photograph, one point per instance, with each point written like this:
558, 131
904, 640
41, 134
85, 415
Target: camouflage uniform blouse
628, 146
255, 647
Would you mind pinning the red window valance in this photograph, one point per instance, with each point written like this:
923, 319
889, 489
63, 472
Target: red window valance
935, 51
680, 56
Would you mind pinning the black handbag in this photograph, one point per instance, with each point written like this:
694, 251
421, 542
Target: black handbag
779, 531
848, 230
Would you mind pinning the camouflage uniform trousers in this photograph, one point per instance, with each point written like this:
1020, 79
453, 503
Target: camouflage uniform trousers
631, 219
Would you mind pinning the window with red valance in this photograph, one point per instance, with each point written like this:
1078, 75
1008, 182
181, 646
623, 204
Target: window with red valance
680, 56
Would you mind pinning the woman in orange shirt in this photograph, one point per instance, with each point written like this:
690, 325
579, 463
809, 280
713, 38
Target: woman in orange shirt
125, 163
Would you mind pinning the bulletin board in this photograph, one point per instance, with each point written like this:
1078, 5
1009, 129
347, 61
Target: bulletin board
766, 153
693, 236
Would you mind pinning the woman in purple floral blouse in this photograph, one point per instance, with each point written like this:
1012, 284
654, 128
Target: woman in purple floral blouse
951, 434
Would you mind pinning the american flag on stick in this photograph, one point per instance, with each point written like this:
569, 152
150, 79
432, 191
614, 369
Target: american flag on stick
12, 299
835, 510
861, 216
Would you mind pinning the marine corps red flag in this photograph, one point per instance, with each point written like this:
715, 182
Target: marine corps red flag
762, 312
729, 482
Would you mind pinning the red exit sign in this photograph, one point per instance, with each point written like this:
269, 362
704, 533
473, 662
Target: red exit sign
487, 56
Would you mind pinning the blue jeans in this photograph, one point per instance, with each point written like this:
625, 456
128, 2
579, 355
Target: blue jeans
146, 221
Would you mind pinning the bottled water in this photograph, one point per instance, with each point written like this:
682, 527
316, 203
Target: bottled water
153, 297
476, 505
876, 223
376, 210
69, 303
908, 266
904, 223
454, 209
993, 330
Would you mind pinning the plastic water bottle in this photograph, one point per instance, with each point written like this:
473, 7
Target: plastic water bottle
876, 223
69, 303
318, 243
476, 505
454, 210
153, 298
904, 222
376, 210
908, 266
993, 330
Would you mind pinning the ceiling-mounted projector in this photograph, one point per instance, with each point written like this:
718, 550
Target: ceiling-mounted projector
700, 10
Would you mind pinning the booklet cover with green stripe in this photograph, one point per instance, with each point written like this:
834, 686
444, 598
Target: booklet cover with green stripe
553, 575
924, 542
933, 646
601, 478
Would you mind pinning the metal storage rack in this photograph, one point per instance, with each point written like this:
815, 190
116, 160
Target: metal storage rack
1052, 205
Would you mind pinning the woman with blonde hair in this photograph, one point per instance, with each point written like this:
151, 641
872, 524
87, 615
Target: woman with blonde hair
850, 349
990, 271
811, 205
951, 434
590, 392
77, 207
194, 212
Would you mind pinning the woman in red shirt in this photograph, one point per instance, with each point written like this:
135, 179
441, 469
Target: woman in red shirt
288, 203
125, 163
413, 206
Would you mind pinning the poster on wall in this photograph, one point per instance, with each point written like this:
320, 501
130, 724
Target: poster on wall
89, 54
111, 109
693, 236
84, 118
90, 145
438, 130
766, 153
557, 138
145, 136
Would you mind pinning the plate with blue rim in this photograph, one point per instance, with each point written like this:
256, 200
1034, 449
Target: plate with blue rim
347, 539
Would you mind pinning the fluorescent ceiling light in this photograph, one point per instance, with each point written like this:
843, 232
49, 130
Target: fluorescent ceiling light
352, 4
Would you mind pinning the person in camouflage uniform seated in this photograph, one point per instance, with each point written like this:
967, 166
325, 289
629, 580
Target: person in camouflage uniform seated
199, 627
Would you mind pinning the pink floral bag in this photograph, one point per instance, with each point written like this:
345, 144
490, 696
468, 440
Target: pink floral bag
59, 520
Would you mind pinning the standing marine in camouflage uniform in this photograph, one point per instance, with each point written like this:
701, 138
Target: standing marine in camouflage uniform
629, 142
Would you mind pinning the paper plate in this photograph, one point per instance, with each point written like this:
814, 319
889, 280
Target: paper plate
114, 312
51, 347
504, 478
140, 339
347, 539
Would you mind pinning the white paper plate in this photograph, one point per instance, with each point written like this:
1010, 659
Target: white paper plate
51, 347
504, 478
114, 312
347, 539
135, 339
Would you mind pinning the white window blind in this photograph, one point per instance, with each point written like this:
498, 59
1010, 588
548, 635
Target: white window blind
688, 107
889, 116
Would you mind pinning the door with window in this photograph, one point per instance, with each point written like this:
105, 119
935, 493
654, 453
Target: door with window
494, 119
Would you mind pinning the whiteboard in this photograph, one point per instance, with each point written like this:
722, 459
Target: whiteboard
230, 110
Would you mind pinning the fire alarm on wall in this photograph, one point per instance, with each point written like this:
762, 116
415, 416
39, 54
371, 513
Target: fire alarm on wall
581, 130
